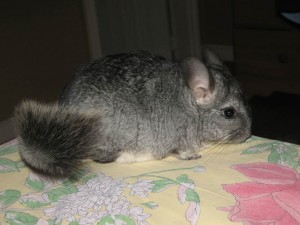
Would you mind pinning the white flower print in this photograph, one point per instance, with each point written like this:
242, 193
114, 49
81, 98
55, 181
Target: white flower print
199, 169
119, 207
141, 188
99, 197
137, 212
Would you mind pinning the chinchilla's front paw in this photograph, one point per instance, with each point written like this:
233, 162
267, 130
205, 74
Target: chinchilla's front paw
189, 155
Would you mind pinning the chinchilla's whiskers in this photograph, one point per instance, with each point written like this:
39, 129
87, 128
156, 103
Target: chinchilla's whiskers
218, 147
221, 141
234, 134
216, 151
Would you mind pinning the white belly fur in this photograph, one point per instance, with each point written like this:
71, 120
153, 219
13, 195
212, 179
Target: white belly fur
126, 157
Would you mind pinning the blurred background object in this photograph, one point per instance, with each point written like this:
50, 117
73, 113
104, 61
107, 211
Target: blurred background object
43, 42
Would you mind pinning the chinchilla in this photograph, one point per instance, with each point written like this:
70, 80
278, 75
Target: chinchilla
133, 107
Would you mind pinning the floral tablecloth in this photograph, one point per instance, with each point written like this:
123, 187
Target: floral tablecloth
254, 183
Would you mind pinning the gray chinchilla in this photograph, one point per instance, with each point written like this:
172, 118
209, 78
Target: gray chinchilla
133, 107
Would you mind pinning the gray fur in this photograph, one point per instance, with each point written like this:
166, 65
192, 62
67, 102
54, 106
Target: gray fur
136, 103
47, 150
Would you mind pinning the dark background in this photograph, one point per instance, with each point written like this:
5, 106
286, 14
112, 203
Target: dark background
43, 42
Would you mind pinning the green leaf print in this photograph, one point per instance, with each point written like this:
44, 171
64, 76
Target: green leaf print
280, 152
106, 220
35, 183
7, 165
184, 179
74, 223
8, 197
8, 150
150, 205
34, 201
127, 220
55, 194
21, 164
17, 218
118, 219
258, 149
161, 185
192, 196
54, 222
88, 177
286, 158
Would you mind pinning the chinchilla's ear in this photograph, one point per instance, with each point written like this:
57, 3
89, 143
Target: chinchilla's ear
210, 58
198, 79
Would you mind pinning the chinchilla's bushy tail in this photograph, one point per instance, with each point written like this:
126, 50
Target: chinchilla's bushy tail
55, 140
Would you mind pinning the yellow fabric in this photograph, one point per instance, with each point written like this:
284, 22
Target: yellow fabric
169, 191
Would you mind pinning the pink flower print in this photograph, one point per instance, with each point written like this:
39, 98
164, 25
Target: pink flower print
142, 188
186, 193
268, 173
193, 212
273, 197
181, 192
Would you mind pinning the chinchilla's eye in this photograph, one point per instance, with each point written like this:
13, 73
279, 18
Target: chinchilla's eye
229, 112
